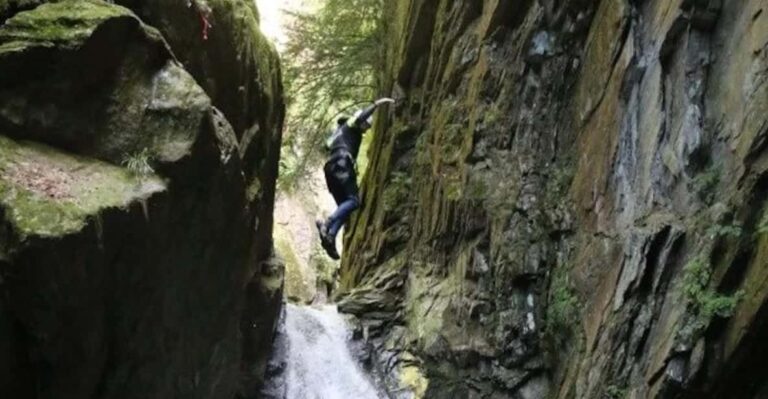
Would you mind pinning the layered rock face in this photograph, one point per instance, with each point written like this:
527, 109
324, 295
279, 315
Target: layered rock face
570, 202
137, 168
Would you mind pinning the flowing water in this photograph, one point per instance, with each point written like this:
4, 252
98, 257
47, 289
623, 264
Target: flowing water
318, 361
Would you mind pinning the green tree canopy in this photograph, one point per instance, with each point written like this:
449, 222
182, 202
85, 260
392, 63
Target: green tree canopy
330, 61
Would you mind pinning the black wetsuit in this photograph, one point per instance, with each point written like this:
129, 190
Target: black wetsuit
340, 174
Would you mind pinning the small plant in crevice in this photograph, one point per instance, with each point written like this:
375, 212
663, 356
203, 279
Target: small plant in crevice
616, 392
562, 313
721, 231
705, 302
762, 225
559, 182
139, 163
705, 184
397, 189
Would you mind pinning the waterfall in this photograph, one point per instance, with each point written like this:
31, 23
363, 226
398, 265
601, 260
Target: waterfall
318, 362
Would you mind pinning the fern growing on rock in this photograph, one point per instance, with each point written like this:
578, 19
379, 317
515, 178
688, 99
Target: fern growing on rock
705, 302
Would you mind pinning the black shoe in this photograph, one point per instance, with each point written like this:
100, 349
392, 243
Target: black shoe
329, 244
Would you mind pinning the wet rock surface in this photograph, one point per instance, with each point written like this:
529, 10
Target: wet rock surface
569, 203
316, 356
136, 193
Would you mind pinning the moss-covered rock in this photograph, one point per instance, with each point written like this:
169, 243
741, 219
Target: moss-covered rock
135, 259
66, 24
300, 286
91, 96
47, 193
536, 197
233, 62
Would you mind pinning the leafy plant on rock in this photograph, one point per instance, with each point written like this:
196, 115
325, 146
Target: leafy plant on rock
719, 230
562, 313
616, 392
762, 226
139, 163
706, 303
705, 184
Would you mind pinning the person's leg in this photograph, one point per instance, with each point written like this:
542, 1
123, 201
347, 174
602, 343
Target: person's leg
340, 216
342, 183
336, 189
332, 182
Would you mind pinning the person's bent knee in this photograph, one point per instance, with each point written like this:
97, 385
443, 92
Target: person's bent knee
354, 202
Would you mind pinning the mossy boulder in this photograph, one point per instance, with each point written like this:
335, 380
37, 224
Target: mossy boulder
88, 76
238, 68
63, 25
48, 193
134, 260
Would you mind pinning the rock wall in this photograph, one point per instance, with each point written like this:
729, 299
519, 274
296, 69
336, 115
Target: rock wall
570, 202
138, 161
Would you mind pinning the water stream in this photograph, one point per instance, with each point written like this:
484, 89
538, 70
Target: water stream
318, 362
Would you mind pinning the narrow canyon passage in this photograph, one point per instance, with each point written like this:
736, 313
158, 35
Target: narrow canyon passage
555, 199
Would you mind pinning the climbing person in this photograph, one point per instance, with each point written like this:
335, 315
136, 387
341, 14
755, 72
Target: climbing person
340, 175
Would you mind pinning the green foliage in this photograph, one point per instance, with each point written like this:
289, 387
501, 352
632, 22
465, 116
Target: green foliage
477, 187
616, 392
397, 190
705, 184
762, 226
492, 114
558, 183
290, 170
330, 64
717, 231
706, 303
139, 163
563, 308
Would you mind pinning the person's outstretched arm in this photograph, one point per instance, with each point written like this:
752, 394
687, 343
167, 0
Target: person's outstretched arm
370, 110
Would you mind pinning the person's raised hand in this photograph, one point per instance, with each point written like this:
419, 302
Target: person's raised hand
384, 100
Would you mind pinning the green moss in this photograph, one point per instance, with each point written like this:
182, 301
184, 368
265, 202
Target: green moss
242, 19
705, 184
454, 187
296, 287
49, 193
362, 158
451, 144
66, 24
718, 231
254, 190
562, 315
762, 225
705, 302
558, 183
413, 378
616, 392
397, 190
477, 188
